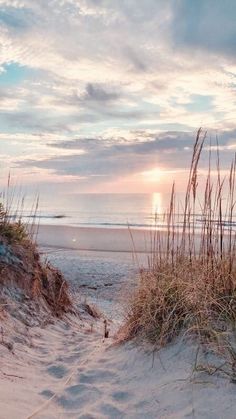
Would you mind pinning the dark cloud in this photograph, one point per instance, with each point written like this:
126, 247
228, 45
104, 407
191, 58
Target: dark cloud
112, 158
98, 93
150, 142
137, 60
33, 121
89, 104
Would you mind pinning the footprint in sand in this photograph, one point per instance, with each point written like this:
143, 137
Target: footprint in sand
121, 396
78, 396
77, 389
57, 371
97, 376
111, 411
70, 359
47, 393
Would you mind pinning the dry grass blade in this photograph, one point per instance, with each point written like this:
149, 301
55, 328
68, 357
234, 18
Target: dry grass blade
190, 285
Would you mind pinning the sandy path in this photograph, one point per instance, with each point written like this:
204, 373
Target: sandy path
92, 378
104, 381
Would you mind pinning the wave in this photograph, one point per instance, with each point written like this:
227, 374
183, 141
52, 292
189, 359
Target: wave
127, 224
223, 222
39, 216
148, 224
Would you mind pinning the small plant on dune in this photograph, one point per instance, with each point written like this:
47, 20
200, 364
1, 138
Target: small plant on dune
12, 228
12, 231
190, 285
2, 212
20, 261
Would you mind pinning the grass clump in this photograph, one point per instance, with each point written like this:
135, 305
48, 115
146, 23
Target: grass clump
11, 226
12, 231
20, 262
190, 285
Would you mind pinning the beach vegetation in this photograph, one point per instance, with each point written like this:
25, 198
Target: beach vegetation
12, 231
189, 288
21, 265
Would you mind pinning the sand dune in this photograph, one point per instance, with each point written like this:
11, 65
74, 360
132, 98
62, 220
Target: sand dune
70, 371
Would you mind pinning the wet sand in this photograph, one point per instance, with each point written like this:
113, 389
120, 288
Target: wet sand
96, 239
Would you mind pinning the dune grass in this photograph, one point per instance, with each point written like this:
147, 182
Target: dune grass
190, 285
12, 228
20, 262
12, 231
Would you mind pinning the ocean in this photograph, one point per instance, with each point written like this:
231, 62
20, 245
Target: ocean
109, 211
102, 210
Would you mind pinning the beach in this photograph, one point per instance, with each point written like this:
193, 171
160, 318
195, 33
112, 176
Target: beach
68, 370
95, 238
117, 209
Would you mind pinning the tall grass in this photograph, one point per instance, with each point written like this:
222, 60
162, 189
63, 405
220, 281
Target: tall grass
190, 285
12, 203
20, 261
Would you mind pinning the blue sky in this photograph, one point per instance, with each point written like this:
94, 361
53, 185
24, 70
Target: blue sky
95, 94
13, 74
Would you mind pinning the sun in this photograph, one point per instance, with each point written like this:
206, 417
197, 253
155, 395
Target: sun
153, 175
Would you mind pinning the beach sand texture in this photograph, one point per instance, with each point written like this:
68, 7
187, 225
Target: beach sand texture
70, 371
95, 238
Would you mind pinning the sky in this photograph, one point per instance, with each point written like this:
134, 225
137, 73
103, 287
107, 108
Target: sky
107, 96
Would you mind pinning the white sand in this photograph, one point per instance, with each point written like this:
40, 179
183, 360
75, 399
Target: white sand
89, 379
69, 371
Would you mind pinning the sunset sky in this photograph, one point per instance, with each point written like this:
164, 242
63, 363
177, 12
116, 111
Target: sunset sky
107, 95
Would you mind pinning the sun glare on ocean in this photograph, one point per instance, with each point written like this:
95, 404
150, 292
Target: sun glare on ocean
156, 203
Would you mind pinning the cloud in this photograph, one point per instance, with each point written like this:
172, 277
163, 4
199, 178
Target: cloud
136, 58
114, 157
96, 92
115, 76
